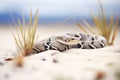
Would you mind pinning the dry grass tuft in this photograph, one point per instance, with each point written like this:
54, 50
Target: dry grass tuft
25, 38
103, 27
19, 60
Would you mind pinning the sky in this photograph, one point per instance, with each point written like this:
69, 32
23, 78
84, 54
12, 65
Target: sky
53, 8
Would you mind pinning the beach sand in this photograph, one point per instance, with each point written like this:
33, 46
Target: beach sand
73, 64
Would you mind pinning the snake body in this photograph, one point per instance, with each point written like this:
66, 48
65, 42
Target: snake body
70, 40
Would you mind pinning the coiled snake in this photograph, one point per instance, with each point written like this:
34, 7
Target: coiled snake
70, 40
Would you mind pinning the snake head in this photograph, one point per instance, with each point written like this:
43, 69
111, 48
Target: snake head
67, 40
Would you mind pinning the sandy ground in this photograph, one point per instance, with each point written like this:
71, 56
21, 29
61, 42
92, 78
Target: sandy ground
73, 64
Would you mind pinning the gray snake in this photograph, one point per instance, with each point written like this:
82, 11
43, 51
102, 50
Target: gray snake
69, 41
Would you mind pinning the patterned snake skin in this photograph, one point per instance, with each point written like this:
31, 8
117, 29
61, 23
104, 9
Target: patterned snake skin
70, 40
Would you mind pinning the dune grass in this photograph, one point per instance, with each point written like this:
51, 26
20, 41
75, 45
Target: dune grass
103, 26
25, 37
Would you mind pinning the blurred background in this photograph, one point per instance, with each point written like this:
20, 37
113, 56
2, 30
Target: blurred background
55, 11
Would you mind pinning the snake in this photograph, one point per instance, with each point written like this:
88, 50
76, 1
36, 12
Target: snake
69, 41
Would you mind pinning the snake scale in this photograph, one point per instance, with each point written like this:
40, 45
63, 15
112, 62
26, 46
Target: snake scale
70, 40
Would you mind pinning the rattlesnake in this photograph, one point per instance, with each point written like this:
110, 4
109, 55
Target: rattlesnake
70, 40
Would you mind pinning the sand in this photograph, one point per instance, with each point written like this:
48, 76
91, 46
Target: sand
73, 64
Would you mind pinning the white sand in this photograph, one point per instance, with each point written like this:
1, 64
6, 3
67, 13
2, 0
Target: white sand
73, 64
